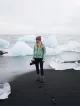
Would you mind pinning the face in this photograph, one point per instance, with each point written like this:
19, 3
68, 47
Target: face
37, 41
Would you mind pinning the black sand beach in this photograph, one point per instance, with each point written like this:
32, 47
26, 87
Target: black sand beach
61, 88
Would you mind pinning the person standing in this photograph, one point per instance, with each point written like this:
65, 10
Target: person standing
39, 57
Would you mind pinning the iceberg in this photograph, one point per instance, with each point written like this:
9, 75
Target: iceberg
50, 41
67, 56
4, 43
19, 49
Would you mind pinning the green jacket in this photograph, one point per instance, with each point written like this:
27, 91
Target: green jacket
39, 52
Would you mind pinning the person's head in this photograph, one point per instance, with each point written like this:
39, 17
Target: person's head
38, 41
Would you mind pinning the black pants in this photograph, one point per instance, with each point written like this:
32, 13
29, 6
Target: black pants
39, 62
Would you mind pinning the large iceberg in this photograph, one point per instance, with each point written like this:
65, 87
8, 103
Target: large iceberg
19, 49
50, 41
66, 56
4, 43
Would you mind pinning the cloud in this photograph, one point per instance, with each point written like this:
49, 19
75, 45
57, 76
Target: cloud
39, 16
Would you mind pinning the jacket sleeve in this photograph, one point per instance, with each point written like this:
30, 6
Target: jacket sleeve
44, 51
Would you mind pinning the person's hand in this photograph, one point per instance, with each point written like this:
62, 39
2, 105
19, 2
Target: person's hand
32, 60
43, 60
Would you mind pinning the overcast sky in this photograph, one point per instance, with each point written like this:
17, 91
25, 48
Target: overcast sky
40, 16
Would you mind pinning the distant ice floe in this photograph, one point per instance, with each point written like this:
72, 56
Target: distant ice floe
4, 44
5, 90
66, 57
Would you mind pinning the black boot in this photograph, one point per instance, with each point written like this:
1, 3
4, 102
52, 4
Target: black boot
38, 78
42, 79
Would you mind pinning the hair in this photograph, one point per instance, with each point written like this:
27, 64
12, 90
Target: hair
39, 44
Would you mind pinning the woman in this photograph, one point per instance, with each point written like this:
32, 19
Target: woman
39, 55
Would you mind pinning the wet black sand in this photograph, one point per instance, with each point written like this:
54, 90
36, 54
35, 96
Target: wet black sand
61, 88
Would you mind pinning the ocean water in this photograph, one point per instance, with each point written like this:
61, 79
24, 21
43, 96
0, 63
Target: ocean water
64, 39
12, 66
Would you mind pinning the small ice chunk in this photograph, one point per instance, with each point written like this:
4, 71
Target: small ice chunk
5, 90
